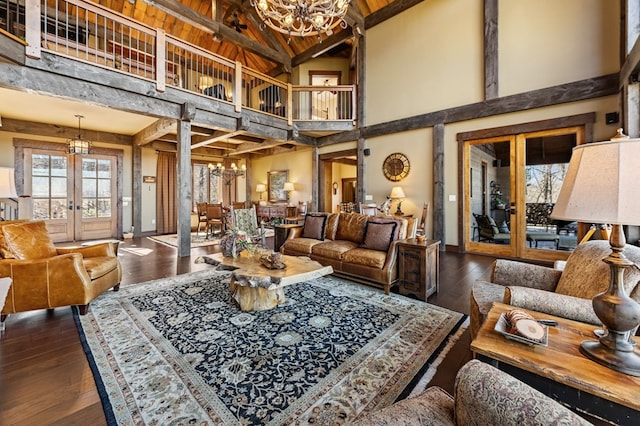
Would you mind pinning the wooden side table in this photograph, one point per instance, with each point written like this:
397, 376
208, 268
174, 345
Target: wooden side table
559, 370
281, 233
419, 267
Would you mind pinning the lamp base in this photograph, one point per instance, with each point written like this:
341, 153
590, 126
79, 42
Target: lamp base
627, 362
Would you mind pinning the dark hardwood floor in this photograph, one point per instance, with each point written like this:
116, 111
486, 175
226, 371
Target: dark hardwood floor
44, 374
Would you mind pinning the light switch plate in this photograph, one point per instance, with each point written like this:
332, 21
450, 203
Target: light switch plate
452, 197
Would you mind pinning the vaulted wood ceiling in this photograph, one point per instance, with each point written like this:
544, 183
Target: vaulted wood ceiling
208, 24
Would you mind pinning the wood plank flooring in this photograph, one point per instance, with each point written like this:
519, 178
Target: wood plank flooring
44, 374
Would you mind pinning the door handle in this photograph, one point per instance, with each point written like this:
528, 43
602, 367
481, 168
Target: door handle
70, 205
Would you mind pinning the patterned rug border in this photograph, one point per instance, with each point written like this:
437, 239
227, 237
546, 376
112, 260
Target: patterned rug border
171, 240
393, 390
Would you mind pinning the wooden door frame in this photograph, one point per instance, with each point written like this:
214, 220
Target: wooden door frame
586, 121
18, 160
325, 181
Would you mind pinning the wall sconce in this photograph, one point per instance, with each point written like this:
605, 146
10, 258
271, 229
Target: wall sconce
335, 188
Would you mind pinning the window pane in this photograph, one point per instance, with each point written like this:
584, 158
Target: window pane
40, 165
104, 188
59, 187
58, 166
88, 168
214, 189
88, 208
40, 209
89, 187
200, 172
59, 208
104, 207
104, 169
40, 187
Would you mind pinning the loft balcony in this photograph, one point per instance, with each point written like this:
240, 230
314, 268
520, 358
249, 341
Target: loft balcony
94, 35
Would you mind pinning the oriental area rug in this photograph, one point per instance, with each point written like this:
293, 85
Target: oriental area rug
179, 351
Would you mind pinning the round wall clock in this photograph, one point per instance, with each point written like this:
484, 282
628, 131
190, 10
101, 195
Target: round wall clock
396, 167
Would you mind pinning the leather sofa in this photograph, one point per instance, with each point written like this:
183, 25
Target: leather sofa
483, 395
564, 291
45, 277
357, 246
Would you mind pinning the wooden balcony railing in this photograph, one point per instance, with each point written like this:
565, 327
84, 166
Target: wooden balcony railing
90, 33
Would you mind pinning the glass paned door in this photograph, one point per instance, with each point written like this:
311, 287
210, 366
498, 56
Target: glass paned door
75, 195
490, 193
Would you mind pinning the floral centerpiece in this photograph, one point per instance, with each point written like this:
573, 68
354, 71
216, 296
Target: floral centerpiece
233, 242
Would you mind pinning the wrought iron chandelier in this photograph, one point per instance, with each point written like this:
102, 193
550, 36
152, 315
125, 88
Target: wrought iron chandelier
78, 145
228, 175
302, 17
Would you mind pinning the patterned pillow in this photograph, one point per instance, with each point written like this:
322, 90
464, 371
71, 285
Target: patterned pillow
314, 226
378, 235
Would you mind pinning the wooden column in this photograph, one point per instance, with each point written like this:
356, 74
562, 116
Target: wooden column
360, 119
315, 184
438, 184
136, 202
184, 180
490, 49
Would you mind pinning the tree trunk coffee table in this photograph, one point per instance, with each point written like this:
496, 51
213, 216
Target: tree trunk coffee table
560, 370
255, 287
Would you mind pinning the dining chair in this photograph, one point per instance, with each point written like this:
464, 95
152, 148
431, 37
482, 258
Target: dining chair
368, 209
201, 209
422, 226
301, 213
215, 218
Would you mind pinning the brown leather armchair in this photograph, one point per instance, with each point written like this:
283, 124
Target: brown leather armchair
46, 277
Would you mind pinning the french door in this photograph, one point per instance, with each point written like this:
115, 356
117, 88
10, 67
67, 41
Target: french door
75, 194
511, 184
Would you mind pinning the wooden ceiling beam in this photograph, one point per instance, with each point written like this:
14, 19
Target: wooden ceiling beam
318, 49
209, 25
208, 140
155, 130
388, 12
249, 147
55, 131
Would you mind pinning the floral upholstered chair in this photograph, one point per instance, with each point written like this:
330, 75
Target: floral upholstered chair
564, 291
483, 395
246, 221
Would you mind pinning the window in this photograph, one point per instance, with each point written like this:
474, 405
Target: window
206, 186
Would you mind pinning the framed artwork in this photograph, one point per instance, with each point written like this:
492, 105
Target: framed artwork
275, 185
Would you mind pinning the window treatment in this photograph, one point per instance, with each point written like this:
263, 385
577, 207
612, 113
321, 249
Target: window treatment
166, 193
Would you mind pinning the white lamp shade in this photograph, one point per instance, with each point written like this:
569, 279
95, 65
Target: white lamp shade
261, 187
288, 186
7, 183
602, 184
397, 192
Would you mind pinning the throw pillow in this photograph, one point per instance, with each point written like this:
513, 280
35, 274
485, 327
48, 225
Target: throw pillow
314, 226
378, 235
388, 219
29, 240
494, 226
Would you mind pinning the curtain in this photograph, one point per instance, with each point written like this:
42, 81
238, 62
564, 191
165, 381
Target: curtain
166, 193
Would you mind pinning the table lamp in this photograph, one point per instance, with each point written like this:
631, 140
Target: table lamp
397, 194
288, 187
260, 189
601, 186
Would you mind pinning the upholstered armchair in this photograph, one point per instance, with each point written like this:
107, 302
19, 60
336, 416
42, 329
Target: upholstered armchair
45, 277
483, 395
564, 291
246, 220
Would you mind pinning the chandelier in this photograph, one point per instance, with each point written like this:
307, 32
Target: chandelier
302, 17
228, 175
78, 145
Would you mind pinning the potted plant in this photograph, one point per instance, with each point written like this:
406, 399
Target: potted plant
498, 203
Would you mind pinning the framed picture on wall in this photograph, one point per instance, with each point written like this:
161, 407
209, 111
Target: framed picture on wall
275, 185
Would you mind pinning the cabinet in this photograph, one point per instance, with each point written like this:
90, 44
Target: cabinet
418, 267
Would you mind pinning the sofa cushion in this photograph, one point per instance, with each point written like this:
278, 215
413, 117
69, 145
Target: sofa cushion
29, 240
333, 249
351, 227
365, 257
99, 266
314, 226
300, 245
378, 235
